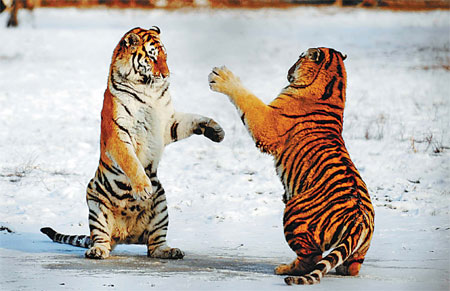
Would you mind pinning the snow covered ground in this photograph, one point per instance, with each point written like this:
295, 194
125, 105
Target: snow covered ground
224, 199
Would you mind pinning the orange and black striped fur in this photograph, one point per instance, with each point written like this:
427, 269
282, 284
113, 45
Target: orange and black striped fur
327, 203
126, 201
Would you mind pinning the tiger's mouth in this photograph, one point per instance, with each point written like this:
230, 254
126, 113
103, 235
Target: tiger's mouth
290, 78
154, 81
291, 72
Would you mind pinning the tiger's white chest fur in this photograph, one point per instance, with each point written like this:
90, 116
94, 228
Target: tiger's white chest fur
146, 122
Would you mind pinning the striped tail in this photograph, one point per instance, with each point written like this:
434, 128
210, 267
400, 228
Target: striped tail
83, 241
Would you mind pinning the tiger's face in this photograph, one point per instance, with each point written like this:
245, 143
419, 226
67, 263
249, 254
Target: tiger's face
306, 70
140, 57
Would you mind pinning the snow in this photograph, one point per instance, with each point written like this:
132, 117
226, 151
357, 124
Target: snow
224, 199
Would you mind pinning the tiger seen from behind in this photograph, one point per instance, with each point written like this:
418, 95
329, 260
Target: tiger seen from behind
327, 205
127, 204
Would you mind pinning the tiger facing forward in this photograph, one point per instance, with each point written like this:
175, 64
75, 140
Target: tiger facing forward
327, 203
126, 201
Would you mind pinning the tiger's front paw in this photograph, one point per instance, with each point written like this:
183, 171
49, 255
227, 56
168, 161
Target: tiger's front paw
223, 80
210, 129
142, 191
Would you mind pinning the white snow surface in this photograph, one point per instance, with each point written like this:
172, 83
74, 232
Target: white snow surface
224, 199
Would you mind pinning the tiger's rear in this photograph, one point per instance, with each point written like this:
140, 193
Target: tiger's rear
327, 203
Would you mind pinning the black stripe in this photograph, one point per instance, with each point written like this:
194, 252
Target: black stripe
303, 155
315, 130
111, 169
121, 127
322, 122
149, 170
339, 70
328, 167
328, 89
125, 107
99, 189
295, 86
157, 241
319, 112
123, 186
302, 159
157, 203
330, 105
328, 64
340, 86
307, 201
154, 230
93, 227
173, 131
326, 153
114, 84
94, 218
163, 92
141, 237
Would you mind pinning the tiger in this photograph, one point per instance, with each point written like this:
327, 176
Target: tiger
126, 201
327, 204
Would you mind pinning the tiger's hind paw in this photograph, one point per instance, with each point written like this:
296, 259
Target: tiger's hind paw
222, 80
166, 253
282, 269
97, 252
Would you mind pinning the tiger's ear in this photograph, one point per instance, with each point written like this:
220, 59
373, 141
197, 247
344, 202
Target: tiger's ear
343, 56
132, 40
155, 28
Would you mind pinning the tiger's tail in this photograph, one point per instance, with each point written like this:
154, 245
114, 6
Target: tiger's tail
83, 241
343, 251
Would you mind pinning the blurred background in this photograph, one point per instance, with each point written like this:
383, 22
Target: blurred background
14, 5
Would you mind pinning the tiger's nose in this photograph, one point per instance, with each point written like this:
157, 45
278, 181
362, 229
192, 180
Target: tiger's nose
163, 70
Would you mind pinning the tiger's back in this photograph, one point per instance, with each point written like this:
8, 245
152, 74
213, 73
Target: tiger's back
327, 203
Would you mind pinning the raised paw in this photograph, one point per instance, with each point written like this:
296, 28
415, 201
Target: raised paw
222, 80
97, 252
166, 253
210, 129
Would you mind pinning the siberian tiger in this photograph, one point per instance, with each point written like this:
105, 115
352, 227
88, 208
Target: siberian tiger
126, 201
327, 203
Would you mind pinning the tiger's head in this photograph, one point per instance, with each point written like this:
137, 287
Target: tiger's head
321, 69
140, 58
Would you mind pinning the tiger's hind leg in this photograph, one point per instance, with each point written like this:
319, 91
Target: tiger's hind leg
157, 229
99, 226
300, 266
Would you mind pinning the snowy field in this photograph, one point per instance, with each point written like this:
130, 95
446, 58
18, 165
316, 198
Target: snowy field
224, 199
